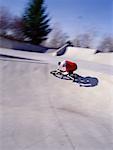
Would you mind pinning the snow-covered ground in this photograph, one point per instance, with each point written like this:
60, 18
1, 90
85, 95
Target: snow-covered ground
39, 111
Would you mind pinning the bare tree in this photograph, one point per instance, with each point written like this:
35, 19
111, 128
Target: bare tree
10, 26
17, 28
5, 20
106, 45
83, 40
57, 37
77, 41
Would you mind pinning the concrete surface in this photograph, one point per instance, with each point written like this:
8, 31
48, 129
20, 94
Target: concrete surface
87, 55
39, 111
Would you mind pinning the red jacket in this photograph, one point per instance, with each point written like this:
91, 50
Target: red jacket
70, 66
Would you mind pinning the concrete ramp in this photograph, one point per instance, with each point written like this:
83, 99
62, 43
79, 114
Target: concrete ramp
75, 53
79, 52
70, 51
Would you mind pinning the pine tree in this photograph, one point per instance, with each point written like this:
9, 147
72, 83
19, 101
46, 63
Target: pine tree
36, 22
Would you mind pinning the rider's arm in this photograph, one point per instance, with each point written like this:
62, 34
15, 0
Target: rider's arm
62, 66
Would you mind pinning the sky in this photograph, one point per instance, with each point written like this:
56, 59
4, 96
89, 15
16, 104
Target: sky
73, 16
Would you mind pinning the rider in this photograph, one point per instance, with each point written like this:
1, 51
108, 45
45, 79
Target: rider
67, 66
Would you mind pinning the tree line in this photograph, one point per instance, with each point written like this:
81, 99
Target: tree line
34, 27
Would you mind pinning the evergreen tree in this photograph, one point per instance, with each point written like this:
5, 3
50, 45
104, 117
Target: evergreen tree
36, 27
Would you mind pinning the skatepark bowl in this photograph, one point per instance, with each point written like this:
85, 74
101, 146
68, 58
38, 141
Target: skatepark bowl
39, 111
